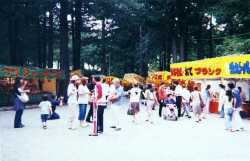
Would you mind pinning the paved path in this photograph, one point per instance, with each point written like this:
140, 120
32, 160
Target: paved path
184, 140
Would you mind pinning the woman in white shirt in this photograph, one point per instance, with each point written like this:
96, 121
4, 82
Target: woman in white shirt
196, 104
228, 108
83, 100
72, 101
134, 100
150, 100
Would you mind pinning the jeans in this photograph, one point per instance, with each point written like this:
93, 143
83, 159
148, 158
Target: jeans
228, 117
222, 113
82, 111
18, 118
186, 109
100, 113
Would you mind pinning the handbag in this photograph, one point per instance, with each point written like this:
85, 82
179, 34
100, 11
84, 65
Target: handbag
23, 97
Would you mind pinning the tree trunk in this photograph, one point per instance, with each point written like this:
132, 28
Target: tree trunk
12, 41
186, 43
44, 42
143, 49
50, 41
200, 44
39, 44
103, 48
64, 51
174, 49
77, 35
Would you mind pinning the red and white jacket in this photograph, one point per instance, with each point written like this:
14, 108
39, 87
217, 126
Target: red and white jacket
100, 98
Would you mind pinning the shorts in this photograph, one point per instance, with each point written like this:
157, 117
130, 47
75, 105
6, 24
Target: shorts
44, 117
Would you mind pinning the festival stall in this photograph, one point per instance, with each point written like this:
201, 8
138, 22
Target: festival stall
131, 78
214, 71
158, 77
40, 81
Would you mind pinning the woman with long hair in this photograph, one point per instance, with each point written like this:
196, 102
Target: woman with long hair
19, 104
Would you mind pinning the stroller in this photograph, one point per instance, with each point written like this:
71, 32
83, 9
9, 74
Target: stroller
170, 111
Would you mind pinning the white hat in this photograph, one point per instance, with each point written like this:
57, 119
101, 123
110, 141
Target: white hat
74, 78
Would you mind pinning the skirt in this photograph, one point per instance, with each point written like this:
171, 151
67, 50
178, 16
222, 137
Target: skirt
197, 108
135, 107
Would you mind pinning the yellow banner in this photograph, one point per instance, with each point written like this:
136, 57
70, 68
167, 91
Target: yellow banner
234, 66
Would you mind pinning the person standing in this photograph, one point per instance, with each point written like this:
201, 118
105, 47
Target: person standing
162, 96
238, 123
91, 87
72, 101
115, 99
222, 94
186, 96
196, 104
227, 103
83, 100
134, 100
19, 103
207, 98
101, 102
150, 100
178, 94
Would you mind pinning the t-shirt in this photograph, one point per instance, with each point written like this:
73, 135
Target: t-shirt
135, 94
72, 93
118, 92
45, 107
178, 90
227, 103
83, 94
105, 89
222, 94
186, 95
149, 95
195, 97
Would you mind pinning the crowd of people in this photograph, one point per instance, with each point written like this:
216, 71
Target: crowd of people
87, 101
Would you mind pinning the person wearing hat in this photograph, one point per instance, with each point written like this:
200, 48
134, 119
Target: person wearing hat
115, 99
72, 101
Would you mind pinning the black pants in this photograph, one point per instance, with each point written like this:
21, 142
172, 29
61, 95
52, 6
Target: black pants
90, 113
160, 107
178, 104
100, 112
18, 118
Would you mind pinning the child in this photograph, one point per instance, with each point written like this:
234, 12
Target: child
46, 110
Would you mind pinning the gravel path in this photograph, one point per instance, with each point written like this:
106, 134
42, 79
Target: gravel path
184, 140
